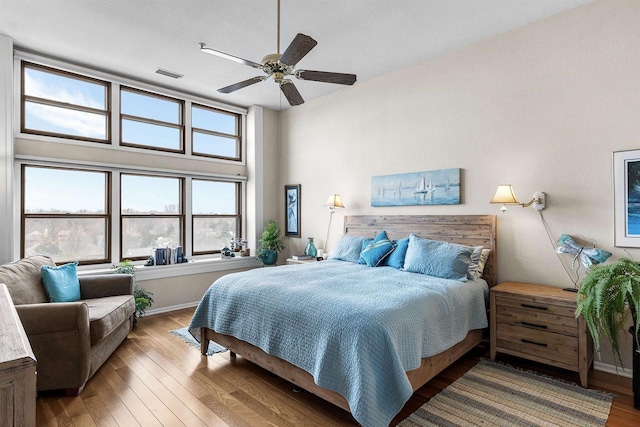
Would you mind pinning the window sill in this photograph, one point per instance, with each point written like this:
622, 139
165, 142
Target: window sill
197, 266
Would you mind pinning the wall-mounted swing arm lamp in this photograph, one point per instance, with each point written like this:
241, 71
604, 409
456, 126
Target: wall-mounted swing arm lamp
334, 201
505, 196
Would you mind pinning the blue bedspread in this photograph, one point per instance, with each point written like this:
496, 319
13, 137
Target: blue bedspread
356, 329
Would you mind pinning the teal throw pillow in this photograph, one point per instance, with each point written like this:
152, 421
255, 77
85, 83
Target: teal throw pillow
439, 259
396, 259
348, 248
61, 283
376, 252
365, 243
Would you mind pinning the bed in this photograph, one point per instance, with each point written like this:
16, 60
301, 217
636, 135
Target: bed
373, 371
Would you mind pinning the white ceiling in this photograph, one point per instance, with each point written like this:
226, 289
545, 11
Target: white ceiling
368, 38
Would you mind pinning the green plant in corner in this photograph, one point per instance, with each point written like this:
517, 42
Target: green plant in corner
606, 296
143, 298
270, 244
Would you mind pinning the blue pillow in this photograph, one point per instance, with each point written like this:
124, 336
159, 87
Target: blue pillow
61, 283
439, 259
348, 249
396, 259
375, 252
365, 242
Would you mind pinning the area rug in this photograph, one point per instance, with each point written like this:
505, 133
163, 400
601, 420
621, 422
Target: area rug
189, 339
492, 394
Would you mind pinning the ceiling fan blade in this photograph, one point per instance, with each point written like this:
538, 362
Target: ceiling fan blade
293, 96
240, 85
299, 47
205, 49
326, 77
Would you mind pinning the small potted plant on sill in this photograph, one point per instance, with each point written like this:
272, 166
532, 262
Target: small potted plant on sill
271, 243
143, 298
606, 297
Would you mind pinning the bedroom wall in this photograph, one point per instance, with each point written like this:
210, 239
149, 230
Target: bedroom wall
542, 108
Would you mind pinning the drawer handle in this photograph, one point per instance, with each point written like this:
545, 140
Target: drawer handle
537, 307
533, 342
534, 325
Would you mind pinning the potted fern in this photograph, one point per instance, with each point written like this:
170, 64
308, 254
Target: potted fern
606, 297
271, 243
141, 296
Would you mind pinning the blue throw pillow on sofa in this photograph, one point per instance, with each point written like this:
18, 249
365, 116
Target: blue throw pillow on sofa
377, 251
61, 283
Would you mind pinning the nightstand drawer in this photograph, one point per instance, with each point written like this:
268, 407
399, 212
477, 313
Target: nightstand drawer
547, 345
537, 320
524, 303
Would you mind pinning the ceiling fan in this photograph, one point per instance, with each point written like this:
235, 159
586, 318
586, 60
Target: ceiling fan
280, 66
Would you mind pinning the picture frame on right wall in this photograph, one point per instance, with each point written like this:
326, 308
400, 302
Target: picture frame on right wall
626, 189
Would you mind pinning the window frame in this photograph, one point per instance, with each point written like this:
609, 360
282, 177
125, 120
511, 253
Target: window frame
107, 215
181, 214
180, 126
24, 98
237, 136
238, 215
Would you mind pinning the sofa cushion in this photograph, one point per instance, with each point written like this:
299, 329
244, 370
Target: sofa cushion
106, 314
24, 279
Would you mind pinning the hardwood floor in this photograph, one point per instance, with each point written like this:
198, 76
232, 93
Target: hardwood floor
155, 379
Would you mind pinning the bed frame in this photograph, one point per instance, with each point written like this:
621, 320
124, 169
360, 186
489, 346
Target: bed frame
471, 230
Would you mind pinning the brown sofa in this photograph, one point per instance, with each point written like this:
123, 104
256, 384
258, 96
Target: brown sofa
70, 340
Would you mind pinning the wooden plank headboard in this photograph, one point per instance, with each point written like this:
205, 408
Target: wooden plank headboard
470, 230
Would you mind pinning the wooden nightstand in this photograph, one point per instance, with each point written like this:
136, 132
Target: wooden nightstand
299, 261
538, 323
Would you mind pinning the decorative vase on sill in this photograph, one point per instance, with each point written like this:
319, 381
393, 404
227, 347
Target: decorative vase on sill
311, 248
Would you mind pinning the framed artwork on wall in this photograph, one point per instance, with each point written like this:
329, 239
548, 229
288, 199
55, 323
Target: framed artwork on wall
438, 187
626, 190
292, 210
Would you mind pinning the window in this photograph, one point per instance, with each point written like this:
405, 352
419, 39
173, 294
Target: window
215, 133
216, 214
66, 214
62, 104
151, 121
152, 214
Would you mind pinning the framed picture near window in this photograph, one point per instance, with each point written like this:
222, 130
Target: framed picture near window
626, 182
292, 210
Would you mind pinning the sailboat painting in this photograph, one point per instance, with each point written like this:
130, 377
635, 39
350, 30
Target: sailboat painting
439, 187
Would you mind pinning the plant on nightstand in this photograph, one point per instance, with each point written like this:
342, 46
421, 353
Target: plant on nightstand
271, 243
605, 298
142, 297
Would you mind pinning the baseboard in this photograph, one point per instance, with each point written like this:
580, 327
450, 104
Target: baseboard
611, 369
171, 308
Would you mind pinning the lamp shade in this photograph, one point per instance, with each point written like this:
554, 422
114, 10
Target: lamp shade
504, 194
334, 201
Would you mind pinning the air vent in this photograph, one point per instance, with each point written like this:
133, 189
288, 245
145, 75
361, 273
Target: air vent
168, 73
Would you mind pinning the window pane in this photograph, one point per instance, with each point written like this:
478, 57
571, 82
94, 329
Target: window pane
150, 107
213, 197
141, 235
66, 239
48, 190
56, 87
52, 119
212, 234
213, 120
215, 145
149, 194
155, 136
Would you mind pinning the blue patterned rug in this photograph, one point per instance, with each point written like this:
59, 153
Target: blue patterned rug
189, 339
